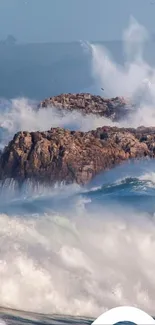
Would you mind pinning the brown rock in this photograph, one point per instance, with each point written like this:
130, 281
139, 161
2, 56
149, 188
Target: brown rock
71, 156
115, 108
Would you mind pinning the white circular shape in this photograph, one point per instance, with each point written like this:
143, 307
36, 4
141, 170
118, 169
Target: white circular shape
124, 314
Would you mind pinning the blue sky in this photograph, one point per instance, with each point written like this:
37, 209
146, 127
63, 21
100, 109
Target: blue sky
68, 20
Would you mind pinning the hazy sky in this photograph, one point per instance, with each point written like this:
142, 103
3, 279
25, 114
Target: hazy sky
67, 20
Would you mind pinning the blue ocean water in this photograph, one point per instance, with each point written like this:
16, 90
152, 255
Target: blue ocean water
73, 250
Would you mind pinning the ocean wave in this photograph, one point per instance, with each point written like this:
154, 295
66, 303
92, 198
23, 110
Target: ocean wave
60, 256
73, 264
20, 114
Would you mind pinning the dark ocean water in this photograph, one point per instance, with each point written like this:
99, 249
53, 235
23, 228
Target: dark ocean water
71, 250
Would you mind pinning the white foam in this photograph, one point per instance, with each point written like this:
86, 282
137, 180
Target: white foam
77, 262
20, 115
135, 79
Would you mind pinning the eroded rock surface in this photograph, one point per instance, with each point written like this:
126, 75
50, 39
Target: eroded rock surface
115, 108
72, 156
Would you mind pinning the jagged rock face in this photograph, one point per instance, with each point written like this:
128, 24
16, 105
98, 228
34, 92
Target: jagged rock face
71, 156
115, 108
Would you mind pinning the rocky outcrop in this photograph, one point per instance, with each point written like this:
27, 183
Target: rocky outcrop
115, 108
71, 156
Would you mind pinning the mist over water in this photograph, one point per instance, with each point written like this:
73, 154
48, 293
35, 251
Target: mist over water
82, 250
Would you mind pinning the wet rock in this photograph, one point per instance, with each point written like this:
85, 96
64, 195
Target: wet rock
114, 108
73, 156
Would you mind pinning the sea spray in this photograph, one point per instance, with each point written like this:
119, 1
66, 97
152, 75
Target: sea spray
51, 255
134, 79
